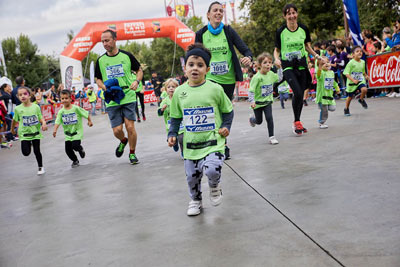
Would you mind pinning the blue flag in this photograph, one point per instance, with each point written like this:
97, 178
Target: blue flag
350, 6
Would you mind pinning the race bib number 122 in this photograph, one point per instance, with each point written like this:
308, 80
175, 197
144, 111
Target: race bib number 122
199, 119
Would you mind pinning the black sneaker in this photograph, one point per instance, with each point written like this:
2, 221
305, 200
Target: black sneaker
120, 150
133, 159
227, 153
363, 103
138, 119
82, 153
305, 103
347, 112
176, 147
75, 164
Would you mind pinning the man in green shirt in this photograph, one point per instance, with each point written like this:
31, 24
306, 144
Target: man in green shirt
120, 65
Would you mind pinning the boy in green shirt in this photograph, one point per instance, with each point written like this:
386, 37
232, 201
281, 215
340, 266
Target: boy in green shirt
207, 116
70, 116
356, 79
325, 85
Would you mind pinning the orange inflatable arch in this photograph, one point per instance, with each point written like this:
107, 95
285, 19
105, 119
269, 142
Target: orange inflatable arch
90, 35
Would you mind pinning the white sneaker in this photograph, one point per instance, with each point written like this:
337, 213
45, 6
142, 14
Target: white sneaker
194, 208
41, 171
397, 95
323, 126
392, 94
216, 195
273, 141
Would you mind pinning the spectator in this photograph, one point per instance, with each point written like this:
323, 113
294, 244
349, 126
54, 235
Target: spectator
395, 40
341, 63
20, 81
157, 82
368, 47
6, 117
92, 99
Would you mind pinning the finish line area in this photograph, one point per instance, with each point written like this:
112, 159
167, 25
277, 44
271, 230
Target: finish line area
328, 198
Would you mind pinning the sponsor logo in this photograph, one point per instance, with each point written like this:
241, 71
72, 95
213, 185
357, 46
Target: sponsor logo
156, 26
135, 28
388, 72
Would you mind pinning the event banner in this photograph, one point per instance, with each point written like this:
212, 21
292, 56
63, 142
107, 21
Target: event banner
243, 88
384, 70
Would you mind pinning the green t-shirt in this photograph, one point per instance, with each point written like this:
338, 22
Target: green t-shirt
201, 109
292, 43
119, 67
356, 69
325, 86
164, 95
71, 120
92, 96
262, 85
221, 64
29, 121
283, 87
166, 115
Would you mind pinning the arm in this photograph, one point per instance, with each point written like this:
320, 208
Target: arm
100, 84
173, 131
89, 121
352, 79
277, 53
44, 125
311, 51
55, 129
13, 124
226, 124
242, 47
139, 77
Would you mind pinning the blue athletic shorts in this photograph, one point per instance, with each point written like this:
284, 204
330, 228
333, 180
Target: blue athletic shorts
361, 85
116, 114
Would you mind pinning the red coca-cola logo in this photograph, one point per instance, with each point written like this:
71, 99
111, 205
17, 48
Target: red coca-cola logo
384, 70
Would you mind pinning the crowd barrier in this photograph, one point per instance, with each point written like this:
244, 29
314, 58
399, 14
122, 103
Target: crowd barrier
384, 70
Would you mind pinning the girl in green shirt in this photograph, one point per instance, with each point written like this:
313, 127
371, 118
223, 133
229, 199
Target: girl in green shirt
29, 117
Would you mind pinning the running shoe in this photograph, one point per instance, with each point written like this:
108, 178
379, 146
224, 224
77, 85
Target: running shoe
305, 103
227, 153
120, 150
7, 145
252, 124
138, 119
82, 153
41, 171
363, 103
176, 147
216, 195
133, 159
144, 117
347, 112
323, 126
75, 164
194, 208
273, 140
298, 128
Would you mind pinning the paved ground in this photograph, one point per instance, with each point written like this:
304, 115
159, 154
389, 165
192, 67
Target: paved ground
329, 198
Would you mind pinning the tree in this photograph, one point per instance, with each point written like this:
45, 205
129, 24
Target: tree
22, 59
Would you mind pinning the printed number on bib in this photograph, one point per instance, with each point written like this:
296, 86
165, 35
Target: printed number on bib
30, 120
328, 83
199, 119
266, 90
115, 71
293, 55
219, 68
357, 75
69, 118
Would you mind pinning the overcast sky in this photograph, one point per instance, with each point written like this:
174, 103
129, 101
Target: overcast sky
47, 22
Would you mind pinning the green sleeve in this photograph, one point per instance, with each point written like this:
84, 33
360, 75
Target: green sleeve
16, 115
38, 112
363, 67
253, 84
58, 119
175, 108
82, 112
347, 68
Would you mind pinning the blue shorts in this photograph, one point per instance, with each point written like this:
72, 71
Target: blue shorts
361, 85
116, 114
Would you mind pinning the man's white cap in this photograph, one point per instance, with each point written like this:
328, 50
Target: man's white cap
5, 80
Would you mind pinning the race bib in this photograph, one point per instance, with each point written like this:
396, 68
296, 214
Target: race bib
69, 118
115, 71
357, 75
282, 89
219, 68
293, 55
328, 83
30, 120
199, 119
266, 90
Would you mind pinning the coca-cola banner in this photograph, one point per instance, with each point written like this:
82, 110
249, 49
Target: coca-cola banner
384, 70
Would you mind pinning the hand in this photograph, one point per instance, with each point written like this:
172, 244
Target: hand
223, 132
90, 123
278, 63
366, 77
142, 91
134, 85
44, 127
164, 107
246, 61
54, 134
253, 105
171, 141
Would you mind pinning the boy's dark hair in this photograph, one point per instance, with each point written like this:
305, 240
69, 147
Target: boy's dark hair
199, 45
287, 7
113, 33
355, 48
19, 80
369, 36
213, 3
317, 44
340, 47
331, 48
66, 92
378, 46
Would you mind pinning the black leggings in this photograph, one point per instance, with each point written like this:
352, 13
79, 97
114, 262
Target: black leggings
26, 150
70, 146
229, 89
141, 99
258, 113
297, 79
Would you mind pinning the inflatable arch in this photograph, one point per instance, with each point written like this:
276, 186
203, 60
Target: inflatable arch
90, 35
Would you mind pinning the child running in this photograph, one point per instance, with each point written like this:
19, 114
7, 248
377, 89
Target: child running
207, 115
261, 95
356, 79
171, 84
71, 118
325, 85
29, 117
